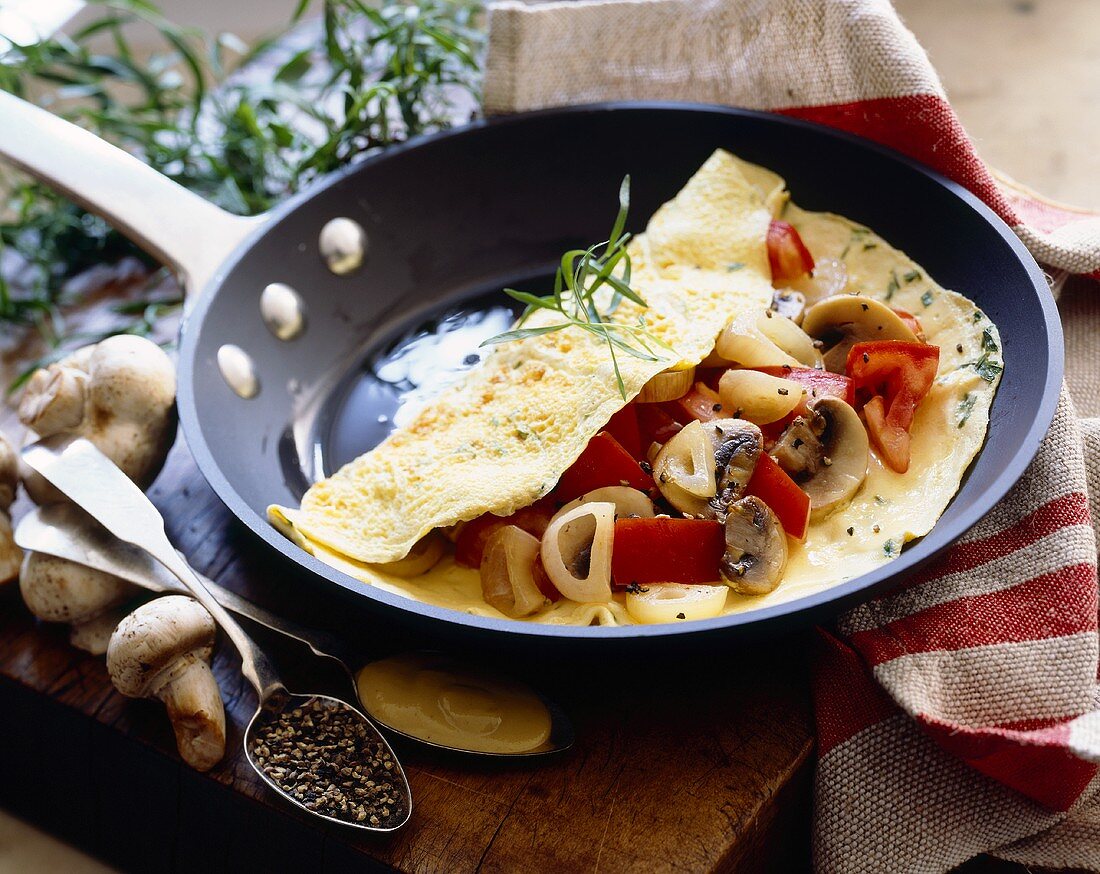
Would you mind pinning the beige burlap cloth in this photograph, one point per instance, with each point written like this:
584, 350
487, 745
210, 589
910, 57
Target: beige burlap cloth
979, 731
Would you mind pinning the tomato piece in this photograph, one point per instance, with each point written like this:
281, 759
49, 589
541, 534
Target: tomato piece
911, 321
655, 424
891, 442
604, 462
770, 483
473, 535
819, 383
700, 403
623, 426
891, 378
787, 254
666, 551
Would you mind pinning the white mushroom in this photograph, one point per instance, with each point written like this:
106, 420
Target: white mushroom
706, 466
827, 455
162, 650
119, 394
843, 320
756, 548
11, 556
508, 572
58, 590
576, 551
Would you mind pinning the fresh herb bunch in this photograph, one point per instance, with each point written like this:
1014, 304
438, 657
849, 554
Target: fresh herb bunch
581, 274
241, 125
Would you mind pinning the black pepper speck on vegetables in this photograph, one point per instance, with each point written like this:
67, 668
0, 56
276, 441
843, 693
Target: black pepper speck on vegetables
328, 758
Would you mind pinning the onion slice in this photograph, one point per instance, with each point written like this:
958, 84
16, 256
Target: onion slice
675, 602
758, 397
627, 501
423, 556
507, 572
576, 551
668, 385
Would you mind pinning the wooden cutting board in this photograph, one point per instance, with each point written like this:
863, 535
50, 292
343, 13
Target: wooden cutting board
694, 761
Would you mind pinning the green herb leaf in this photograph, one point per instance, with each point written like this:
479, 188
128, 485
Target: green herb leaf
988, 343
581, 274
892, 286
912, 276
927, 298
987, 369
966, 407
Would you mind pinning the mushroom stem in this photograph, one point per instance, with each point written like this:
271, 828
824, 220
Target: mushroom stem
198, 718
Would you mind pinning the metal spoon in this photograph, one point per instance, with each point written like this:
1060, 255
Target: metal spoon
90, 479
66, 531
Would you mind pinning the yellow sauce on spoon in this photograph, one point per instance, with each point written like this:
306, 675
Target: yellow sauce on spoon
435, 698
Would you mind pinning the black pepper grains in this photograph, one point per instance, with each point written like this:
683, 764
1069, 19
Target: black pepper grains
329, 759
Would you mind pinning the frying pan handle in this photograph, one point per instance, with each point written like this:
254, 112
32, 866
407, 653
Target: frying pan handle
176, 227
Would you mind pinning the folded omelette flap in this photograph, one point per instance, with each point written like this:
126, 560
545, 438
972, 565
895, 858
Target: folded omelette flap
499, 439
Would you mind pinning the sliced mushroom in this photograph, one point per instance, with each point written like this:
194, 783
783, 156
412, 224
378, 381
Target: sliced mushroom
843, 320
576, 551
758, 397
844, 457
508, 572
756, 548
764, 339
707, 465
627, 501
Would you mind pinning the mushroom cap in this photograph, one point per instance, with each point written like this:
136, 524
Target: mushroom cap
846, 319
756, 548
58, 590
132, 377
845, 444
158, 642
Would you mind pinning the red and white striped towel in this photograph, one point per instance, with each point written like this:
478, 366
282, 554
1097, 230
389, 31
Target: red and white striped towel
959, 714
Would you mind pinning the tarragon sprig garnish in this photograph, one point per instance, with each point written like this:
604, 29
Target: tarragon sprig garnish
580, 275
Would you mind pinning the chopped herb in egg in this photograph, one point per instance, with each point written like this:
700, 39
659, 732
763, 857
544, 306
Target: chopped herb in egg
927, 298
912, 276
966, 407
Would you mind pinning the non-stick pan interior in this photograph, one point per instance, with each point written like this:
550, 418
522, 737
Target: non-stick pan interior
453, 219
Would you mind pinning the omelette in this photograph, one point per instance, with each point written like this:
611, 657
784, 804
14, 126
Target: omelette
802, 399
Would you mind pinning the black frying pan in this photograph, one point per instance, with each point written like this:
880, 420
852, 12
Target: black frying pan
449, 220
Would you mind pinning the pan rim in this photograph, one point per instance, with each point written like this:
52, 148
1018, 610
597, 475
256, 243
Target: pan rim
801, 610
